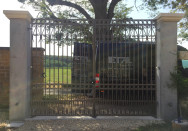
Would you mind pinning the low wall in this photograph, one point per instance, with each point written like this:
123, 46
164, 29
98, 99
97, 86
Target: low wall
4, 76
37, 70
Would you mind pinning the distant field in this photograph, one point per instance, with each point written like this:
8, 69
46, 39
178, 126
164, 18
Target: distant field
64, 75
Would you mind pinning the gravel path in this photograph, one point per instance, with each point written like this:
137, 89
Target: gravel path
112, 124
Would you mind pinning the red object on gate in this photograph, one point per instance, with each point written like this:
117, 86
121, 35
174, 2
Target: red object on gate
97, 75
97, 79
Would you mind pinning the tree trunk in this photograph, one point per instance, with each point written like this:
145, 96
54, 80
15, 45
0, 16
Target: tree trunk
103, 31
100, 8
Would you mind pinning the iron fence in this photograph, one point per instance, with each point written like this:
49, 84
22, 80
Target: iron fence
94, 67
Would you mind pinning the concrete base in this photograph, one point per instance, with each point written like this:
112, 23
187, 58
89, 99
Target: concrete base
15, 124
90, 118
79, 123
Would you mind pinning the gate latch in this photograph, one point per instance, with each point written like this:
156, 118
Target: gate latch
93, 82
43, 75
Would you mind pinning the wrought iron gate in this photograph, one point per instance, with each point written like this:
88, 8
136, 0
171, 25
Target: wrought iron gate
93, 67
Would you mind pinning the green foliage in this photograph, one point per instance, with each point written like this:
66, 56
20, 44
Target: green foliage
47, 9
58, 67
80, 9
184, 108
184, 28
68, 12
176, 6
179, 82
55, 75
50, 97
55, 61
121, 11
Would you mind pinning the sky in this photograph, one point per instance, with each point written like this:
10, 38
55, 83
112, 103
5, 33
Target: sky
4, 21
15, 5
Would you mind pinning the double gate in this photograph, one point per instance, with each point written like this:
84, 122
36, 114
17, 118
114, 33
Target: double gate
93, 67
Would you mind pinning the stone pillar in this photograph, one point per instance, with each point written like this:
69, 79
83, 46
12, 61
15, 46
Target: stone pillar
166, 62
20, 61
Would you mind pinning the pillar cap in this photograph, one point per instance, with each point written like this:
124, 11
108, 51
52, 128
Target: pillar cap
170, 17
17, 14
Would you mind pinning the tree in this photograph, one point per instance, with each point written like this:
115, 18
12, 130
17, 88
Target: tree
103, 11
89, 9
175, 6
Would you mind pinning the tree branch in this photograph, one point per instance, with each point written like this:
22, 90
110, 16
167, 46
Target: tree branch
70, 4
42, 6
50, 12
111, 8
92, 2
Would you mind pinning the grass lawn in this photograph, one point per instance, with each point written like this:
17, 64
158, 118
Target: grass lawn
3, 118
167, 126
52, 75
156, 127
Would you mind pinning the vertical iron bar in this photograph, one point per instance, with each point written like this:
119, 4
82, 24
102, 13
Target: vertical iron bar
62, 69
147, 92
49, 59
81, 47
71, 68
41, 62
67, 87
94, 67
84, 82
115, 71
151, 52
155, 81
134, 66
45, 61
108, 68
100, 41
36, 83
121, 68
142, 91
112, 77
54, 66
58, 44
130, 65
125, 67
31, 94
138, 64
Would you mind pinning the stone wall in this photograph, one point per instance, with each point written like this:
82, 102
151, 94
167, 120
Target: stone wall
37, 65
37, 70
4, 76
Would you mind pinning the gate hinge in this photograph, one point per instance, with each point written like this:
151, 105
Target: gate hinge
158, 29
29, 28
157, 67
